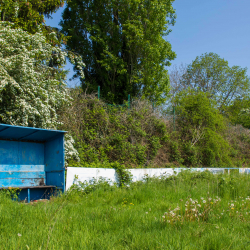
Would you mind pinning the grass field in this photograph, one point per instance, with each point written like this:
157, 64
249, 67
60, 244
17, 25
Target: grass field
190, 211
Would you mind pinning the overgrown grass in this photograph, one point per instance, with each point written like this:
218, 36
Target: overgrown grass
154, 214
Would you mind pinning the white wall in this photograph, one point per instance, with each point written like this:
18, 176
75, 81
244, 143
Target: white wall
74, 174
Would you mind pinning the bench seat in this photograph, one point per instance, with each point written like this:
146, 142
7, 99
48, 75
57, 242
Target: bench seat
30, 187
30, 179
37, 190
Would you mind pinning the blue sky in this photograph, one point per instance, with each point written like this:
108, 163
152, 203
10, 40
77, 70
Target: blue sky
219, 26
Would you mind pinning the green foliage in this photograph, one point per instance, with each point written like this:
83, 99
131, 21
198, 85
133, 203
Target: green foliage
239, 139
124, 176
200, 131
211, 74
141, 137
123, 45
107, 217
238, 112
88, 187
10, 193
29, 16
105, 134
175, 151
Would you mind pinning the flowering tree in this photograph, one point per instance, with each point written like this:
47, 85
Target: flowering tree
31, 91
29, 14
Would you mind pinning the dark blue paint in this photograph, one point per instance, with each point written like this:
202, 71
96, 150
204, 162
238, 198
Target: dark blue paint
56, 178
31, 153
36, 194
24, 133
28, 195
54, 166
31, 157
54, 148
9, 152
21, 153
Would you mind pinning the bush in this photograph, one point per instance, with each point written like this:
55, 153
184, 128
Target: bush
108, 133
201, 129
139, 136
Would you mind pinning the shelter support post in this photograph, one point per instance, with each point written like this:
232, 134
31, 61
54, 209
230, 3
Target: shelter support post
28, 195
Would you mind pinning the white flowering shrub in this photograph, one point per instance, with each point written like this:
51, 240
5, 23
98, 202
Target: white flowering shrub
31, 92
70, 151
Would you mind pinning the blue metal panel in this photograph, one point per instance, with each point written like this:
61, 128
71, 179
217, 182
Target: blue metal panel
27, 133
13, 132
54, 162
20, 175
31, 153
24, 182
10, 168
21, 153
56, 179
54, 154
44, 135
9, 152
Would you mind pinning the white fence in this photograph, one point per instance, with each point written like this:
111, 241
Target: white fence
76, 175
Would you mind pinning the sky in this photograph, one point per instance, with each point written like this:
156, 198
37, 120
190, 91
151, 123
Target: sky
218, 26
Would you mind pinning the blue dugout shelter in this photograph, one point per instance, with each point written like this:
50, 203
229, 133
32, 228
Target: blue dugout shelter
32, 159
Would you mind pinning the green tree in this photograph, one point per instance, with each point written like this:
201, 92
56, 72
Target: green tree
238, 112
212, 74
200, 129
123, 45
29, 15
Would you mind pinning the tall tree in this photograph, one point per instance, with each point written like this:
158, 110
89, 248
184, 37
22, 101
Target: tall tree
212, 74
123, 45
29, 15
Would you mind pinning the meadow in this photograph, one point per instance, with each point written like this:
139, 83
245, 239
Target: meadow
189, 211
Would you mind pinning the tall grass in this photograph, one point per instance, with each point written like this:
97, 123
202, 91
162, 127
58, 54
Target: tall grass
135, 217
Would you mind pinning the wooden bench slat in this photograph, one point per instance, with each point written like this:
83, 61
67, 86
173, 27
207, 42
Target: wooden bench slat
30, 187
21, 168
22, 174
22, 182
